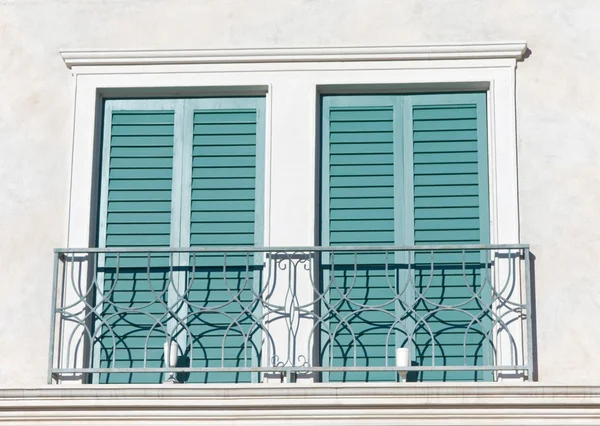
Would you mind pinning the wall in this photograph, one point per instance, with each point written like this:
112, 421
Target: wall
557, 101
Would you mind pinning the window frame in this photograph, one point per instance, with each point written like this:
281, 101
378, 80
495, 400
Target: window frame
293, 81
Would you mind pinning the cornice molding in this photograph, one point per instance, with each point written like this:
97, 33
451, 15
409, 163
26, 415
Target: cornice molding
315, 404
304, 390
94, 57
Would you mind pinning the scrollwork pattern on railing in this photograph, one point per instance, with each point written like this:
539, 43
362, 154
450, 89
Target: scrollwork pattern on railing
333, 313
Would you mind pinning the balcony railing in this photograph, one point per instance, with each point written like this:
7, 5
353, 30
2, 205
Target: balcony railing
244, 314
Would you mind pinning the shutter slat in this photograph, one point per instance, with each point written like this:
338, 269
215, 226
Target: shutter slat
364, 170
362, 137
143, 130
361, 158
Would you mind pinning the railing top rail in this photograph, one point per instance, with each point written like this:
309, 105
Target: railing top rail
220, 249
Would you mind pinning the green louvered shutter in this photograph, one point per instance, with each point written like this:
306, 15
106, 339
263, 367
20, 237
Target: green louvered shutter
226, 210
358, 209
186, 172
136, 210
450, 207
370, 145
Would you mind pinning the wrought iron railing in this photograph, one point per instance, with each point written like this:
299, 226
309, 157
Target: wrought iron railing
242, 314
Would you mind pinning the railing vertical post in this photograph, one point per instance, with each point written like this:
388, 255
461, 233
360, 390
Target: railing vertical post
529, 318
53, 316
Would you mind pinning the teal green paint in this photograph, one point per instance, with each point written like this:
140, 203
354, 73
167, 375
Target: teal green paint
325, 354
405, 281
161, 188
440, 196
358, 181
135, 213
484, 214
451, 207
225, 191
178, 276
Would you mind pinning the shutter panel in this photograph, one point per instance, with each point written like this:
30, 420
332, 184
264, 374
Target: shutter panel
358, 203
450, 207
226, 210
367, 146
136, 211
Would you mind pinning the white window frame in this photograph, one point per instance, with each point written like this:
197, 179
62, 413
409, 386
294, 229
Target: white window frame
293, 80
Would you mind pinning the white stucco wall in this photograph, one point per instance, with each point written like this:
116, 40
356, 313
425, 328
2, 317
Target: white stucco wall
558, 107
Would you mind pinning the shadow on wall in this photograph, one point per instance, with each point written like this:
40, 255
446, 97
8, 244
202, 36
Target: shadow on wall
533, 314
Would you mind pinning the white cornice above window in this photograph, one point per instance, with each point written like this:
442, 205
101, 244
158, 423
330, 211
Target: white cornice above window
94, 57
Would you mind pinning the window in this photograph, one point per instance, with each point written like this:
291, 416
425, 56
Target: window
397, 170
406, 170
175, 173
287, 87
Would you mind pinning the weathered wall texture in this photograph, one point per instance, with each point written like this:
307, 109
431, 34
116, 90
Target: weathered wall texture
558, 106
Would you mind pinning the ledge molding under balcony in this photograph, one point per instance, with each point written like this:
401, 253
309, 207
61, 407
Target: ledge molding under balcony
315, 404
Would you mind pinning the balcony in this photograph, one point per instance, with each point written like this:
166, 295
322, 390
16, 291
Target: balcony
293, 314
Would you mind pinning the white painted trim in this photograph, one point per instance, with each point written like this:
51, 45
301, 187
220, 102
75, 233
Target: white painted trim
314, 404
92, 57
